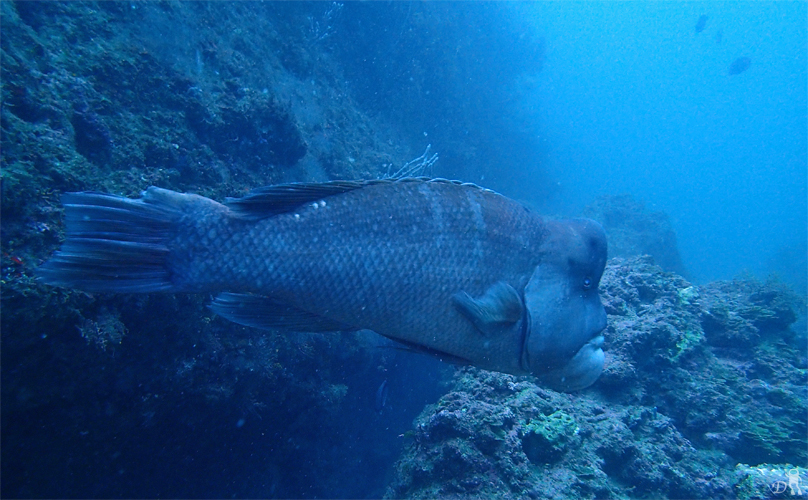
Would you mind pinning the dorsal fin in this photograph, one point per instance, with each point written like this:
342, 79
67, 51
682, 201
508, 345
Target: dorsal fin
273, 200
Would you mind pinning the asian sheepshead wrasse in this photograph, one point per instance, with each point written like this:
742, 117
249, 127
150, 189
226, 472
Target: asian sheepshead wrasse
443, 267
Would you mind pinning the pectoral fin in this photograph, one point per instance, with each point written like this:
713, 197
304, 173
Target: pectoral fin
500, 307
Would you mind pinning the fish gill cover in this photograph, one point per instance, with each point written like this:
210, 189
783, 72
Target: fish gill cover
703, 394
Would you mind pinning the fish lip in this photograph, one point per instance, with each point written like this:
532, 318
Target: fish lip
596, 329
597, 340
524, 356
564, 380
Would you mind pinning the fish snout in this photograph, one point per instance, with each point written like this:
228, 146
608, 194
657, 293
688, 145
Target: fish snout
597, 320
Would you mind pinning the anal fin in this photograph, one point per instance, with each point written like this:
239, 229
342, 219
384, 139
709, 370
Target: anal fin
258, 311
421, 349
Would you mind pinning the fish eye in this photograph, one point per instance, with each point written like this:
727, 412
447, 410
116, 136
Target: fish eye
587, 283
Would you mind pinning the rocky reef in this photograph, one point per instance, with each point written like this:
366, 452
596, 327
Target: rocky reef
700, 384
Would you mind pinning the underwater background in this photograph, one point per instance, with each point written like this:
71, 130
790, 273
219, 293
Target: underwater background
680, 126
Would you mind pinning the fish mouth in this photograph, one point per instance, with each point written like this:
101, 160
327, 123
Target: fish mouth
581, 371
596, 341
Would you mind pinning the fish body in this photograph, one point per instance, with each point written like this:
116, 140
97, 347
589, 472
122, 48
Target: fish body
447, 268
701, 23
381, 397
739, 65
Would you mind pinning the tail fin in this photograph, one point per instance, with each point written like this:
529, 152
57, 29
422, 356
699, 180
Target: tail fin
116, 244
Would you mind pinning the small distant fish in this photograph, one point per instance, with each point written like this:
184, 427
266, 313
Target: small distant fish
381, 397
701, 23
739, 65
719, 36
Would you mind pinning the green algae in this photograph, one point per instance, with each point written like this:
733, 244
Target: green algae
547, 437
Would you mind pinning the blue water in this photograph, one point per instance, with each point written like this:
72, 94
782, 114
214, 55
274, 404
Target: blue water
632, 100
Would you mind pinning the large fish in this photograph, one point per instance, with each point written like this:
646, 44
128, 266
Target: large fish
443, 267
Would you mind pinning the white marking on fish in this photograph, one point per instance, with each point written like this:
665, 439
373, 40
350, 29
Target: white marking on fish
436, 213
479, 222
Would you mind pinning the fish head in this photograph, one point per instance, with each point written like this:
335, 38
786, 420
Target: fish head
564, 312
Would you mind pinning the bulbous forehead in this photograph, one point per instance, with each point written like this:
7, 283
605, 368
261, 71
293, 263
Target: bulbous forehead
578, 243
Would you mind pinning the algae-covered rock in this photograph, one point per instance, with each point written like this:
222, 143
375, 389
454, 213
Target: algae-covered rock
549, 445
546, 438
737, 312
